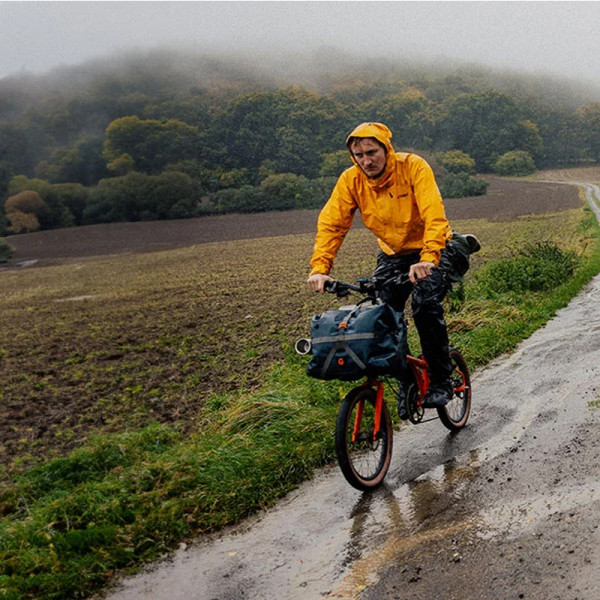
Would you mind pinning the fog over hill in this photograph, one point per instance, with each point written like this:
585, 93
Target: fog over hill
326, 70
535, 38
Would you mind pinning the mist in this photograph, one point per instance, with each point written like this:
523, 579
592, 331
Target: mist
541, 39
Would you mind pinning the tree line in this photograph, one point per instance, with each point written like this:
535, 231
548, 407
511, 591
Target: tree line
138, 143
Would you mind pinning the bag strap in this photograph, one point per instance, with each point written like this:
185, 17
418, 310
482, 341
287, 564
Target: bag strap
351, 353
352, 313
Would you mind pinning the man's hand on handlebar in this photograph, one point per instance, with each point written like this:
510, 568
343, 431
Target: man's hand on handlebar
420, 271
316, 282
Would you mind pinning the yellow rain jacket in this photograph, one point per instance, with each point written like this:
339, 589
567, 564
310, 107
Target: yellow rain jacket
402, 207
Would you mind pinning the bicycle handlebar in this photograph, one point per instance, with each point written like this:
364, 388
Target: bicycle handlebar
342, 288
367, 287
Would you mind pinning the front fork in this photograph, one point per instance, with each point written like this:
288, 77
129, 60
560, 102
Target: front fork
378, 410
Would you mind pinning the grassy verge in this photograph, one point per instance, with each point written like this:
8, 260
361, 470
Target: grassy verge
122, 498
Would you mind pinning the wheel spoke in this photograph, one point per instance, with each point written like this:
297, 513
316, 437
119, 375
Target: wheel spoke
455, 414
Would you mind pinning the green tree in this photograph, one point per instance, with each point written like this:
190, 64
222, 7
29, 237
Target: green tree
72, 198
320, 119
170, 195
246, 199
282, 191
516, 163
461, 185
6, 250
152, 144
245, 128
320, 190
140, 197
16, 149
234, 178
285, 191
296, 153
82, 163
457, 161
486, 125
6, 174
334, 163
409, 114
564, 138
122, 165
590, 119
65, 202
208, 179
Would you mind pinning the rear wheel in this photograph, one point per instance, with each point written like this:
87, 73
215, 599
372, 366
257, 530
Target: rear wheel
363, 458
454, 415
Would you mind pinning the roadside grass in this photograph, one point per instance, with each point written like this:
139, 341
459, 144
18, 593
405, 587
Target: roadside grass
196, 412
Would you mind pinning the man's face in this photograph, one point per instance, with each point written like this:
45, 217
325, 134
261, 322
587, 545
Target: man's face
370, 157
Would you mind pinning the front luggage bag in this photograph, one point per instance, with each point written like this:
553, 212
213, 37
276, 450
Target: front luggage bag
349, 343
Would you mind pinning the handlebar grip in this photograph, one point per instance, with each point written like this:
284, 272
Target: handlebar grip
330, 286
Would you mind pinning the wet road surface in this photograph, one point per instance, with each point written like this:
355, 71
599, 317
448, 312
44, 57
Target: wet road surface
507, 508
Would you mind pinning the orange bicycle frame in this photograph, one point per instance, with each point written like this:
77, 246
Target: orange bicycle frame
421, 372
421, 375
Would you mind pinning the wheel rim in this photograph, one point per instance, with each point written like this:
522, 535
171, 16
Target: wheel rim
455, 409
459, 405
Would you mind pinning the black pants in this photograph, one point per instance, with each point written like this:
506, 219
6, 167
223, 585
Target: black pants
427, 297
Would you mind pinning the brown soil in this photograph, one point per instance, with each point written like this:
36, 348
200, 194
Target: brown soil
505, 200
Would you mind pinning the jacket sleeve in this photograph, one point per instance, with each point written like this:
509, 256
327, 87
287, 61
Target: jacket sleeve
431, 208
333, 224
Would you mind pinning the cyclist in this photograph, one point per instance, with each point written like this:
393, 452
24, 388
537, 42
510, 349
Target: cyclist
400, 203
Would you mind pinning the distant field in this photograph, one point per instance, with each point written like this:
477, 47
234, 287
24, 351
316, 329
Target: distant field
504, 200
581, 174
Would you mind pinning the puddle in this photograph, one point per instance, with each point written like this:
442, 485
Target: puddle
416, 513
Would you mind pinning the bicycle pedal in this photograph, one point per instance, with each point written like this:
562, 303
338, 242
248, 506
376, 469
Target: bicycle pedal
403, 411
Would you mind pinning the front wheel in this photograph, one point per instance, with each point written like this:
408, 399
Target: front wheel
364, 457
455, 414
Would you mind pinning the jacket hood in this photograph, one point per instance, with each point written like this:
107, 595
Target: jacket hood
379, 131
382, 134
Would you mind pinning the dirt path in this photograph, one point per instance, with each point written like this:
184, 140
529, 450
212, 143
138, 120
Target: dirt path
505, 509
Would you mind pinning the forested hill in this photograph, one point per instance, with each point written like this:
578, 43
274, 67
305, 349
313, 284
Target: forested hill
165, 134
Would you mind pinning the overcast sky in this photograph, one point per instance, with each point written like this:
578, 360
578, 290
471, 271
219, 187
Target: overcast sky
543, 37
